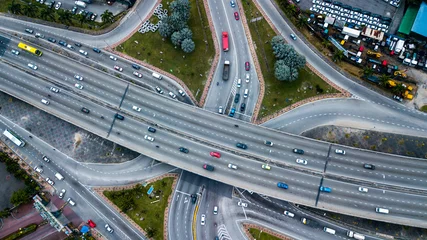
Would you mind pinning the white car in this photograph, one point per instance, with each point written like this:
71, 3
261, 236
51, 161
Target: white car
46, 159
247, 77
363, 189
113, 58
181, 92
54, 89
118, 68
58, 5
32, 66
149, 138
83, 52
340, 151
78, 77
71, 202
70, 46
109, 229
159, 90
16, 52
289, 214
62, 193
138, 109
137, 74
48, 180
172, 95
203, 220
242, 204
78, 86
37, 169
232, 166
301, 161
220, 110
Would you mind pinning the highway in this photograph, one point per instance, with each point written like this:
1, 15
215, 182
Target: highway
223, 93
183, 125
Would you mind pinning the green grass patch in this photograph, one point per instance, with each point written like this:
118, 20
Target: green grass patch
279, 94
258, 235
424, 108
191, 68
21, 232
146, 211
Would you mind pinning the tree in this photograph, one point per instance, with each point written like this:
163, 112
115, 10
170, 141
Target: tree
182, 8
14, 7
46, 13
64, 16
338, 56
107, 16
367, 71
399, 89
165, 29
19, 196
301, 21
281, 71
82, 18
280, 50
30, 11
176, 21
5, 213
186, 33
176, 38
188, 45
277, 40
326, 43
384, 79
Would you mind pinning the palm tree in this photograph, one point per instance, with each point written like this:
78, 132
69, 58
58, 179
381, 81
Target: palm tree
14, 8
107, 16
301, 21
29, 10
367, 71
47, 13
326, 43
384, 79
64, 16
81, 18
338, 56
399, 89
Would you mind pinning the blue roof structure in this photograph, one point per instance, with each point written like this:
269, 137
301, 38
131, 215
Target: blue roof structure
420, 21
84, 229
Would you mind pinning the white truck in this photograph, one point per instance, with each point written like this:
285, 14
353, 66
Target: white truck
80, 4
355, 235
399, 46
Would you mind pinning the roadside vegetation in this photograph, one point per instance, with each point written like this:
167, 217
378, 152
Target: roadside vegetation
258, 235
145, 210
37, 10
279, 94
192, 67
21, 232
424, 108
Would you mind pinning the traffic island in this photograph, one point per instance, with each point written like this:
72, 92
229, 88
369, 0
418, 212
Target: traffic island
191, 70
280, 96
145, 204
256, 232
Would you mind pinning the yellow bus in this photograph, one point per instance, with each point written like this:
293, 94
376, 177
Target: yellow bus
30, 49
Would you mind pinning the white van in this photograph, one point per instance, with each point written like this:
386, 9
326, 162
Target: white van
329, 230
381, 210
59, 176
245, 95
45, 102
156, 75
239, 82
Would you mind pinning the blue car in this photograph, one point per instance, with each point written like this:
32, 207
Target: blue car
233, 110
96, 50
325, 189
232, 4
282, 185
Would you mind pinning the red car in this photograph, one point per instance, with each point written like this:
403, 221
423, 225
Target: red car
215, 154
91, 223
118, 68
236, 15
247, 66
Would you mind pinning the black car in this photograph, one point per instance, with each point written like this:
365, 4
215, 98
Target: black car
208, 167
136, 66
53, 40
85, 110
62, 43
241, 145
193, 198
120, 117
237, 98
150, 129
89, 15
96, 50
184, 150
93, 17
78, 44
299, 151
242, 107
369, 166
